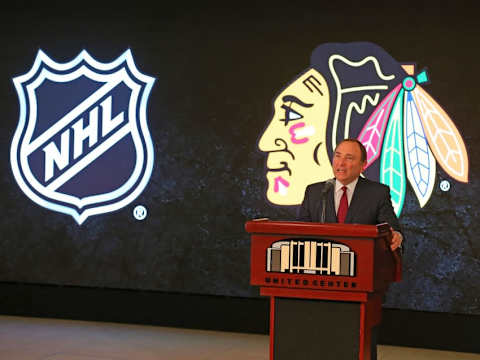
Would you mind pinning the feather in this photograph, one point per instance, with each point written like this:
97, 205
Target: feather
373, 131
443, 137
419, 160
392, 167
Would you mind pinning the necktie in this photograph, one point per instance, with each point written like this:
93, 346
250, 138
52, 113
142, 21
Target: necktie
343, 206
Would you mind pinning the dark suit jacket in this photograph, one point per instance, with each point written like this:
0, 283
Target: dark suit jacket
371, 204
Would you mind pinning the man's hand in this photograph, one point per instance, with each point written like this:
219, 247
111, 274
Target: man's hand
396, 240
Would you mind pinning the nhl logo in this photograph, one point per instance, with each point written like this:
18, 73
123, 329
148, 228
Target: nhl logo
82, 146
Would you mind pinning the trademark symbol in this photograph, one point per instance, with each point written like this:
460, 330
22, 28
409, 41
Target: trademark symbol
444, 185
140, 212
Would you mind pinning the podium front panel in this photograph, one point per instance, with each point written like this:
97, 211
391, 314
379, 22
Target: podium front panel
316, 329
313, 262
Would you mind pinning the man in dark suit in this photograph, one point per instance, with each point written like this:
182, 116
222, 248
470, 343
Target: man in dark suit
350, 198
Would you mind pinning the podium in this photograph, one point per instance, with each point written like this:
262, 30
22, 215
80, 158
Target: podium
326, 284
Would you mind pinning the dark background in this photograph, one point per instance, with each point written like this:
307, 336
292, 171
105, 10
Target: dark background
217, 69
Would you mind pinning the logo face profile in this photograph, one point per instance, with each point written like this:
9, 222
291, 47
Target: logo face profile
82, 145
358, 90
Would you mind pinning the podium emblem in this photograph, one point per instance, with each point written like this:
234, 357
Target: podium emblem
82, 145
307, 256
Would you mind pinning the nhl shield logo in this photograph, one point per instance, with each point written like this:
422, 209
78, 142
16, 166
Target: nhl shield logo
82, 146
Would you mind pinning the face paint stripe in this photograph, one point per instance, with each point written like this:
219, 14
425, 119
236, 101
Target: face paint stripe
294, 134
278, 182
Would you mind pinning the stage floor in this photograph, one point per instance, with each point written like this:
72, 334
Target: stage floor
51, 339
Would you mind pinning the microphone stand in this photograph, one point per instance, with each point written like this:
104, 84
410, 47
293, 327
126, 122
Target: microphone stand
324, 205
329, 184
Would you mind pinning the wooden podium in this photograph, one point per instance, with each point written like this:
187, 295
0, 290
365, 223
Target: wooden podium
326, 284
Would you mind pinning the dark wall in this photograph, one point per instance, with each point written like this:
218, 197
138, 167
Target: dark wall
217, 70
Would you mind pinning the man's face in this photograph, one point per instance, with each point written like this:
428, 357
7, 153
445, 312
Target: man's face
347, 164
295, 139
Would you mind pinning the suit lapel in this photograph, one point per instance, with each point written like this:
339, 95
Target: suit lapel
356, 203
331, 215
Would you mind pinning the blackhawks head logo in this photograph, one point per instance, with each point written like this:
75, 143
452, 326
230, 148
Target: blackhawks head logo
357, 90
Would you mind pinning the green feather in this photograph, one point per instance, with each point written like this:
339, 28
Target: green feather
392, 165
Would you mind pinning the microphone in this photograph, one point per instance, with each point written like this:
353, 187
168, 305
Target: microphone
329, 184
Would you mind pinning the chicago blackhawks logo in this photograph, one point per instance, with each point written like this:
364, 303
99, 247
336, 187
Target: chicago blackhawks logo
358, 90
82, 146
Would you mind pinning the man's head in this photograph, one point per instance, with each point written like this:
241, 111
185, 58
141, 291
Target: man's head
349, 160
